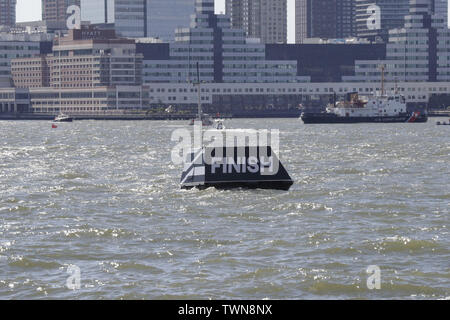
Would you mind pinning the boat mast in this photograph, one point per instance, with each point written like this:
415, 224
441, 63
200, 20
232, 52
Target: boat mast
200, 121
199, 94
382, 67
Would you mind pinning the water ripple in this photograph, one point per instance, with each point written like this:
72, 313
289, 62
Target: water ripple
105, 197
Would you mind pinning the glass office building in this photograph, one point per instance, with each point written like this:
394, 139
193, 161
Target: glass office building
140, 18
223, 54
164, 16
441, 8
374, 18
97, 11
7, 12
324, 19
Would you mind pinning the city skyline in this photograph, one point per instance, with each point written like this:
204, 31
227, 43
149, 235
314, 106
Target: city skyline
30, 10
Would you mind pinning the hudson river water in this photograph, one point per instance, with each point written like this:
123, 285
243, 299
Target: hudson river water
105, 197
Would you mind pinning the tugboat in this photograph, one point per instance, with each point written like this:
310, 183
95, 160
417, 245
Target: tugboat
63, 118
355, 109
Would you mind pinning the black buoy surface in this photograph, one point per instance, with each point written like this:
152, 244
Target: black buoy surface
228, 166
235, 167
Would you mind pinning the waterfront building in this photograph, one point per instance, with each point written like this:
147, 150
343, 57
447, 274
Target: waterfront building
18, 45
7, 12
109, 99
224, 54
374, 18
417, 52
90, 57
113, 100
263, 19
236, 98
139, 18
330, 19
32, 72
13, 100
84, 58
54, 12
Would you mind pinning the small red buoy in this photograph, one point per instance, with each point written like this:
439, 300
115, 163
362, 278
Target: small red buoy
54, 126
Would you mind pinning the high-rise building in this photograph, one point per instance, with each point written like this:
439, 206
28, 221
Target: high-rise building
441, 8
98, 11
331, 19
7, 12
130, 18
224, 54
235, 10
163, 17
345, 18
55, 11
264, 19
417, 52
140, 18
374, 18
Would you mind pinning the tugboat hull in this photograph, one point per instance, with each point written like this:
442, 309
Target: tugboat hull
323, 118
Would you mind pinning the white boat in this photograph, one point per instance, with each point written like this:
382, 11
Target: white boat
63, 118
219, 124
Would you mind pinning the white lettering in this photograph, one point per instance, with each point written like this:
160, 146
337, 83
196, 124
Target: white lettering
253, 166
74, 281
374, 21
374, 281
74, 20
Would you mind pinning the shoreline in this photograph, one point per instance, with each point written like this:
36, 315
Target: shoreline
167, 117
142, 117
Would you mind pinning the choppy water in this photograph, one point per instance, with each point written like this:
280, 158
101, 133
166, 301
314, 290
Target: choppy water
104, 196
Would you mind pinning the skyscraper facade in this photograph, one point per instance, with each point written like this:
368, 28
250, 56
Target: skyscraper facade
7, 12
98, 11
140, 18
130, 18
223, 54
374, 18
264, 19
441, 8
345, 19
55, 11
418, 52
331, 19
163, 17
